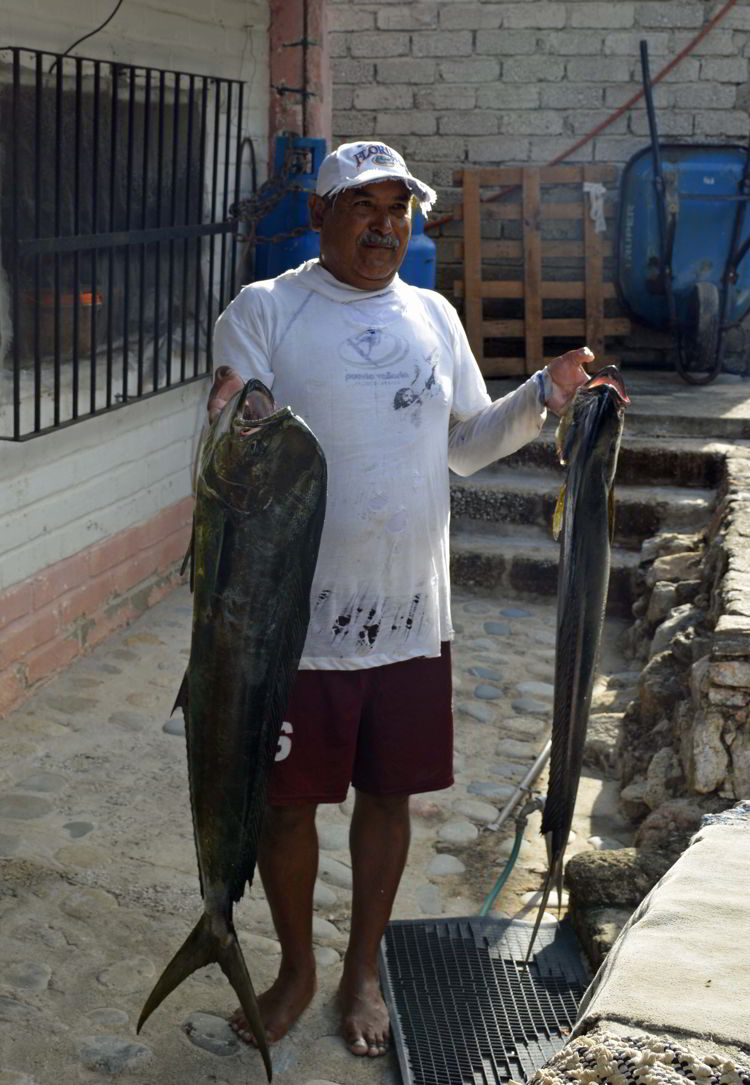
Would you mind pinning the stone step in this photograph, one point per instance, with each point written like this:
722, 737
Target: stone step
527, 495
642, 460
502, 556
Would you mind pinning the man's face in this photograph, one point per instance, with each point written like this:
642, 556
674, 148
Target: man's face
364, 232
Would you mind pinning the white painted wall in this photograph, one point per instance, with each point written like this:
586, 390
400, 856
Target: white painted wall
64, 491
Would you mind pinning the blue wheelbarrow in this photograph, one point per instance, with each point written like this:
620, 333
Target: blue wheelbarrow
683, 235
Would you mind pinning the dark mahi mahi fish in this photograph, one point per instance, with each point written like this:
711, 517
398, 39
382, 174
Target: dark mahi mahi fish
588, 441
259, 507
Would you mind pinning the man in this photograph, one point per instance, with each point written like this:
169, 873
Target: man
383, 374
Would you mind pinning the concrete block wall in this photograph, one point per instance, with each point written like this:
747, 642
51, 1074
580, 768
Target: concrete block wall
467, 82
94, 519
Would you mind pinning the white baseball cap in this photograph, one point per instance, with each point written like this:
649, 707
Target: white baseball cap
355, 164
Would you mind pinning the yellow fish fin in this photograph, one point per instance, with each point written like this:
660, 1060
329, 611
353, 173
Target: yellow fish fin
557, 519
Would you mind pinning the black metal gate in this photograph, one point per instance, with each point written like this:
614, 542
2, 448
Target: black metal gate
115, 185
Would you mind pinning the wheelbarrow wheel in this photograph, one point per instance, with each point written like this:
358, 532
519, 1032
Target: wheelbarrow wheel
698, 358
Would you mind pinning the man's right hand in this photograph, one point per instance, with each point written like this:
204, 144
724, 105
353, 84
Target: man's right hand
226, 383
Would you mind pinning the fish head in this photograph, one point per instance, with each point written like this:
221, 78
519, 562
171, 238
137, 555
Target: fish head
256, 450
594, 418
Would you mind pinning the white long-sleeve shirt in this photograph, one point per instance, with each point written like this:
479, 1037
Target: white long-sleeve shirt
387, 382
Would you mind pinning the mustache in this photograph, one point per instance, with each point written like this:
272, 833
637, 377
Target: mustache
378, 240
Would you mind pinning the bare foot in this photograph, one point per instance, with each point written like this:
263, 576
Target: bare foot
364, 1017
280, 1005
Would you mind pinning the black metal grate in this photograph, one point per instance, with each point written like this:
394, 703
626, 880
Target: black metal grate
464, 1009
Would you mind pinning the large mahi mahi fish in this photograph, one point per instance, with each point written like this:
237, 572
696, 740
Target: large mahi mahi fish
260, 502
588, 442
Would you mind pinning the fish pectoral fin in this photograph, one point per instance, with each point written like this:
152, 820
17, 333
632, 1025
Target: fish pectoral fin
204, 946
557, 519
189, 556
611, 512
554, 876
181, 700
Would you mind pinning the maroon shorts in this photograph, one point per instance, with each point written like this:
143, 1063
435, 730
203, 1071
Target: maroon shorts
386, 730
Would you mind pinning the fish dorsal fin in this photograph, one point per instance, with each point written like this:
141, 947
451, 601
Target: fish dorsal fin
557, 519
611, 510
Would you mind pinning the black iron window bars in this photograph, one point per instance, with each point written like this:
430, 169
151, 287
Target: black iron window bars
117, 252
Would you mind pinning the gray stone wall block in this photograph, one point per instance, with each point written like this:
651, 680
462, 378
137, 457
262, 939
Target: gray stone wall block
569, 96
533, 69
408, 17
363, 122
343, 97
470, 16
669, 124
475, 70
572, 42
511, 96
719, 42
352, 71
506, 43
343, 17
605, 13
498, 150
473, 123
722, 122
379, 43
442, 43
688, 69
406, 122
616, 149
738, 18
544, 148
724, 70
627, 43
670, 15
434, 148
535, 15
406, 70
616, 96
705, 96
441, 96
377, 97
583, 120
338, 45
537, 122
598, 70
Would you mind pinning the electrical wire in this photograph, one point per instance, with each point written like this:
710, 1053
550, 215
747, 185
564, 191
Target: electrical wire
91, 33
612, 117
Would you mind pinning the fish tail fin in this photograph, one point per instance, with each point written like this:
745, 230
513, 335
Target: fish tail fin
204, 946
181, 700
554, 877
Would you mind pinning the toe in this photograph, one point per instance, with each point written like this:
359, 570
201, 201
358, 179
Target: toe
358, 1046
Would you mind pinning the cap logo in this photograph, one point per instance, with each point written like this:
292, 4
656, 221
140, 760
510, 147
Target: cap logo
378, 152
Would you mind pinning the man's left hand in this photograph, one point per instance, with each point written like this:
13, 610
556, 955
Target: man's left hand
567, 374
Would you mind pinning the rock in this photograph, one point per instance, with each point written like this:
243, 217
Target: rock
478, 711
212, 1033
42, 781
661, 601
77, 829
107, 1016
481, 644
604, 736
668, 828
598, 929
731, 672
333, 837
133, 721
515, 612
679, 620
444, 865
127, 976
668, 542
543, 690
663, 683
604, 843
16, 1077
428, 899
326, 956
458, 832
674, 567
31, 975
335, 873
111, 1054
174, 726
8, 845
489, 673
498, 629
324, 930
662, 777
488, 693
88, 904
323, 897
422, 807
619, 878
708, 763
23, 807
687, 591
632, 799
512, 748
12, 1010
490, 791
477, 606
530, 706
482, 812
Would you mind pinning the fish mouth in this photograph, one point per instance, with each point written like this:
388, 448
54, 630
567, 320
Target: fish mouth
256, 407
610, 376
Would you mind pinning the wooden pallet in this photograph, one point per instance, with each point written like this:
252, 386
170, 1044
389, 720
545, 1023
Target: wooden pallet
532, 255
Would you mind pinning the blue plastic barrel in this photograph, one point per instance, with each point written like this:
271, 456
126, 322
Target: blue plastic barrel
290, 212
420, 262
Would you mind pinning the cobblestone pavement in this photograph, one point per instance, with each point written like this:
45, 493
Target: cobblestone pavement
98, 882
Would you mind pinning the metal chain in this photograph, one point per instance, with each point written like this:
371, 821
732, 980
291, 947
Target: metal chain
256, 207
